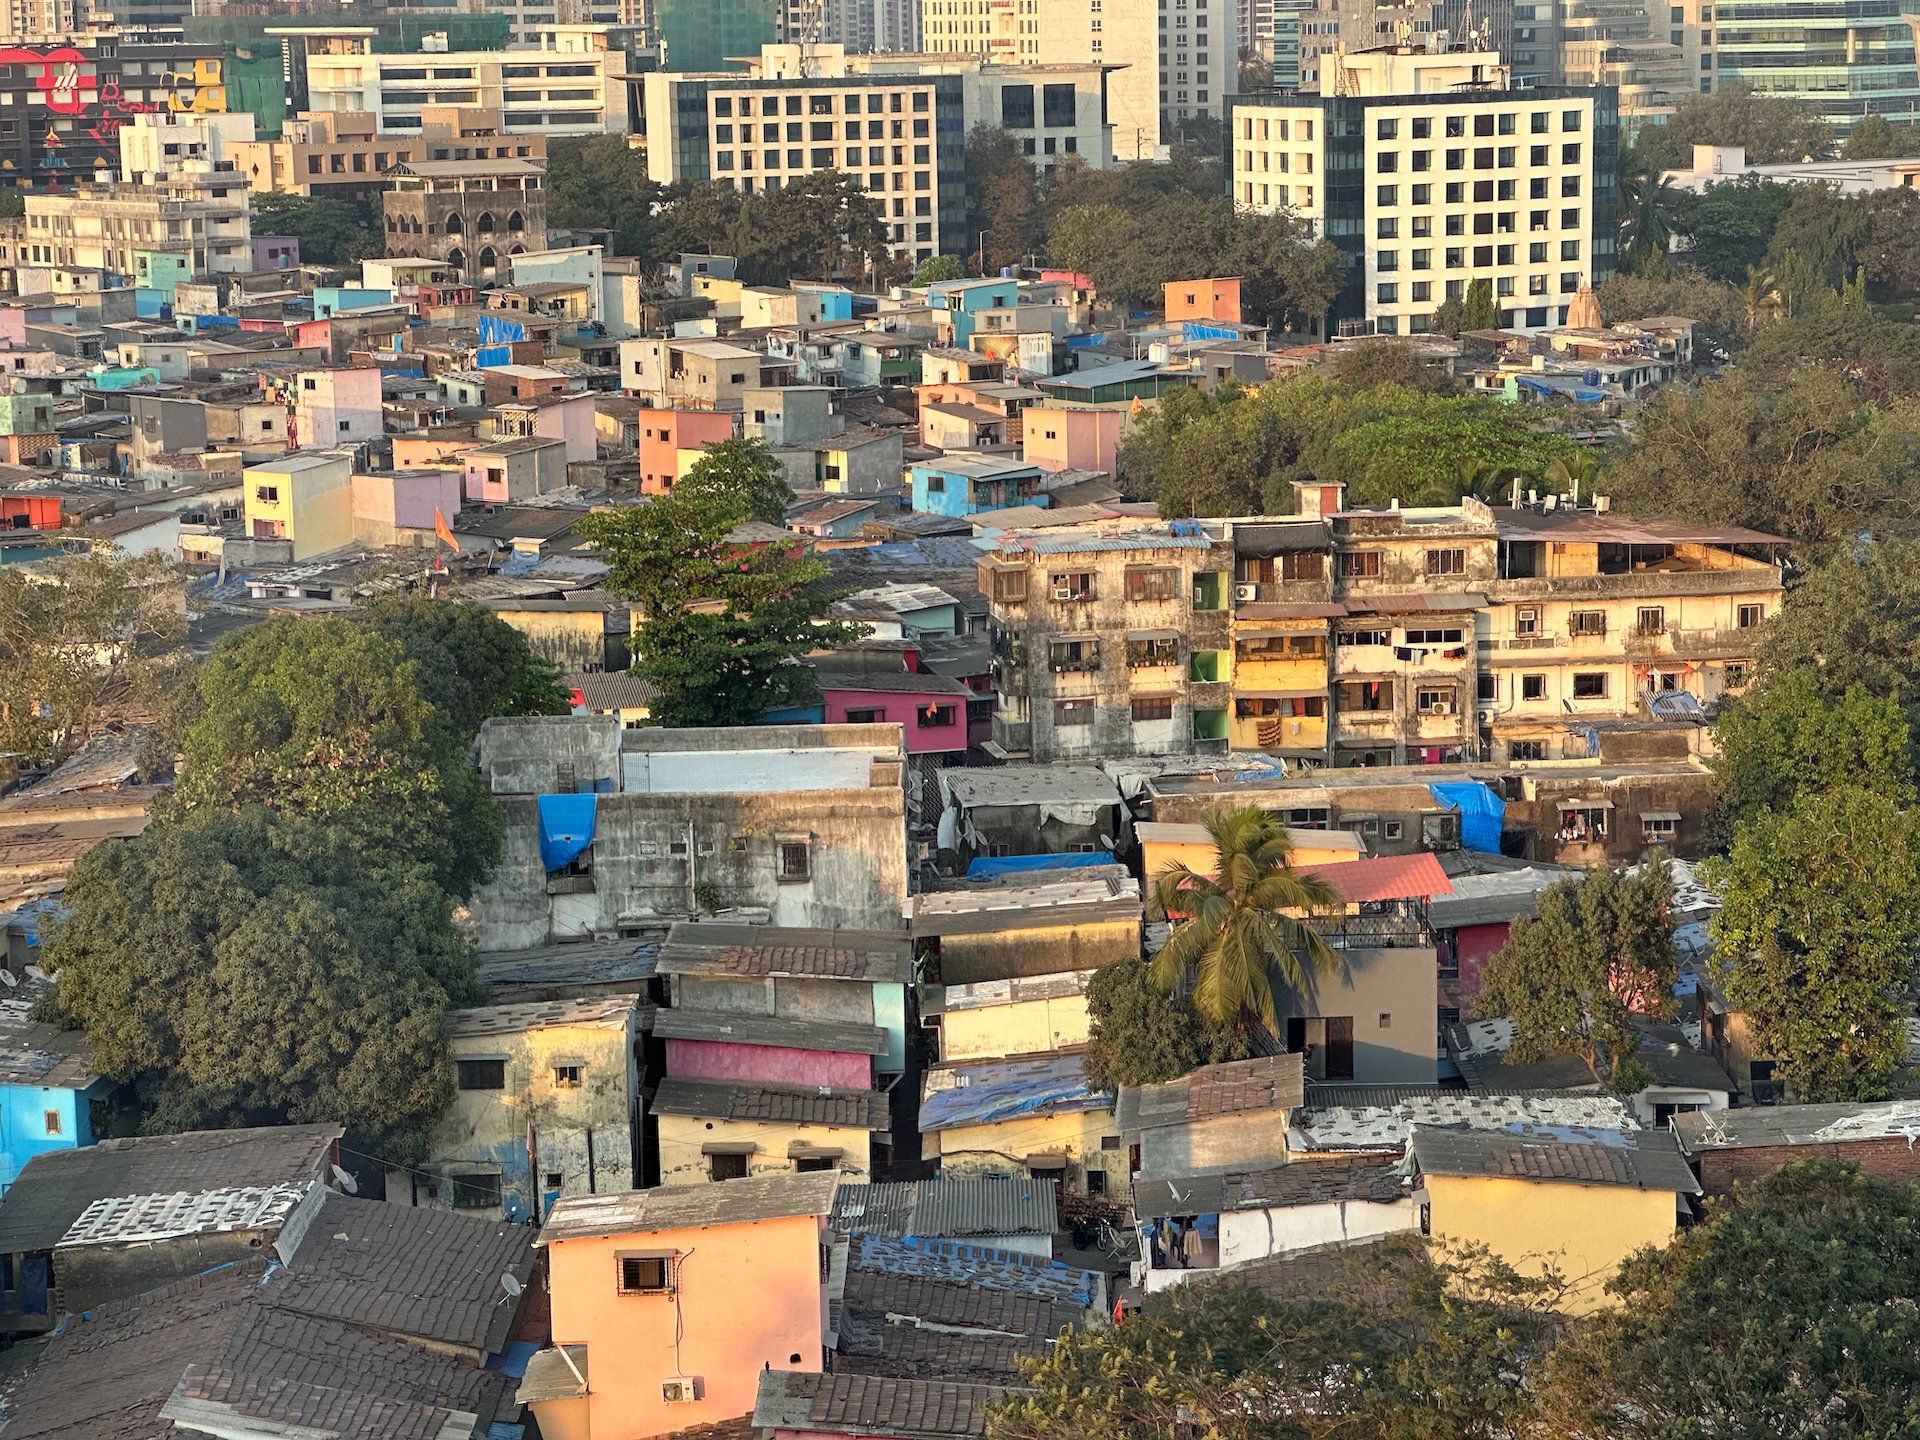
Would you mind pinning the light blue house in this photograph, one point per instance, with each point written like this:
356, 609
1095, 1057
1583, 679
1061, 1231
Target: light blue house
836, 301
963, 485
47, 1087
963, 300
330, 300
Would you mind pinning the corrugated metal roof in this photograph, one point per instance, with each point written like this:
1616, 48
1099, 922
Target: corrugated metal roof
1639, 1160
1385, 877
943, 1208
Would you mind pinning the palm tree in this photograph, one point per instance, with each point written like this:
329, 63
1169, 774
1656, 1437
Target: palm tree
1491, 483
1646, 213
1763, 296
1243, 934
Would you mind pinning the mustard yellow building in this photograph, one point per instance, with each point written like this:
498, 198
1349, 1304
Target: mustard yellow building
305, 497
1166, 842
714, 1129
1026, 1015
1025, 1117
1576, 1200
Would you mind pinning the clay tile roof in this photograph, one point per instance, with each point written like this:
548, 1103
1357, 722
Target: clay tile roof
774, 1104
861, 1405
706, 948
1385, 877
1238, 1087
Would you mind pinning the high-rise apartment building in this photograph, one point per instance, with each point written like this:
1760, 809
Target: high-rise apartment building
896, 124
1180, 54
1433, 171
1845, 58
572, 85
861, 27
40, 19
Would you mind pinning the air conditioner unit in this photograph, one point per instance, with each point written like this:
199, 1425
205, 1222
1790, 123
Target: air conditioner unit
679, 1389
1063, 592
1486, 716
1245, 592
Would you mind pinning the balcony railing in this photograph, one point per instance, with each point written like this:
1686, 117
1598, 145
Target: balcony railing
1372, 932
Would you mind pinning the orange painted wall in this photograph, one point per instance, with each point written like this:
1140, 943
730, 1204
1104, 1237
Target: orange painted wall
749, 1296
664, 433
1203, 300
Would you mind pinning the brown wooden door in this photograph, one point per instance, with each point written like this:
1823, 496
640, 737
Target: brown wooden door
1339, 1047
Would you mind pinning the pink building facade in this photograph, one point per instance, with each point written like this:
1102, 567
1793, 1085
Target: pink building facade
769, 1064
932, 710
665, 433
338, 407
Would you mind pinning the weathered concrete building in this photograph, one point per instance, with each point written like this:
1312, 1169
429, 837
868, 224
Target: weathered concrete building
988, 936
1109, 642
611, 829
546, 1104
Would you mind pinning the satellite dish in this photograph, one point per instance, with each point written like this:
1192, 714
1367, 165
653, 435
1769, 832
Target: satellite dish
510, 1283
7, 977
347, 1182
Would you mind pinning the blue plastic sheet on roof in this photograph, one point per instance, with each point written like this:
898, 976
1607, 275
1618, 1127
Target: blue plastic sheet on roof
498, 330
488, 356
990, 868
566, 828
1481, 813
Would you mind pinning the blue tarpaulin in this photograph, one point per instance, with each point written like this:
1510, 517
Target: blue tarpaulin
566, 828
497, 330
1481, 813
488, 356
987, 869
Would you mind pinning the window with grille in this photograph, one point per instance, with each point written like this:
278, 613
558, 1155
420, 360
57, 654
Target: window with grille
646, 1274
794, 862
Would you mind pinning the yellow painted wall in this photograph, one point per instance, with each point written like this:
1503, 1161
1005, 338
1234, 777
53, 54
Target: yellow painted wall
1037, 950
682, 1136
975, 1151
1584, 1231
492, 1125
314, 506
1202, 859
573, 639
1031, 1027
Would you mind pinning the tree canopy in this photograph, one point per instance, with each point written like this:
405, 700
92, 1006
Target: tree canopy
1818, 929
1236, 452
724, 618
330, 231
743, 475
1400, 1343
1141, 1035
1789, 1313
1791, 736
1597, 952
600, 182
468, 662
327, 720
1772, 130
91, 629
1874, 137
249, 969
819, 226
1853, 622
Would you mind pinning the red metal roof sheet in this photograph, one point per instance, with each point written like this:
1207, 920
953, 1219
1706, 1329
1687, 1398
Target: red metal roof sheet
1386, 877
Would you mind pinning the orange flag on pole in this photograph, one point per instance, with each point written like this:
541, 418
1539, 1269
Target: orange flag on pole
442, 529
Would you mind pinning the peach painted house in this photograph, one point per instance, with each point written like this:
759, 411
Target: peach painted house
665, 433
668, 1304
1064, 436
1203, 300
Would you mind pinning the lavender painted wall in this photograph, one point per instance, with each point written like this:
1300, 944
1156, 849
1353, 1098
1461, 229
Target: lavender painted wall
773, 1064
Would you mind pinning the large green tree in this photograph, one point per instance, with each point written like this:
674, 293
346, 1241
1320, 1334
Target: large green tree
1398, 1343
1790, 1313
1597, 952
1141, 1035
1729, 227
1716, 309
725, 616
1792, 736
1853, 621
600, 182
1809, 459
1818, 931
743, 475
327, 720
78, 634
1475, 310
1772, 129
820, 226
1244, 931
468, 662
331, 232
1873, 137
249, 969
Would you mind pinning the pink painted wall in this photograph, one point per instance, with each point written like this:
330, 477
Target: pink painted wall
573, 423
1083, 439
417, 496
665, 432
749, 1296
904, 709
13, 326
1475, 945
769, 1064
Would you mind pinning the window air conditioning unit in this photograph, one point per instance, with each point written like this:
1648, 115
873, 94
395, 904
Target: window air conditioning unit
1245, 592
679, 1390
1063, 592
